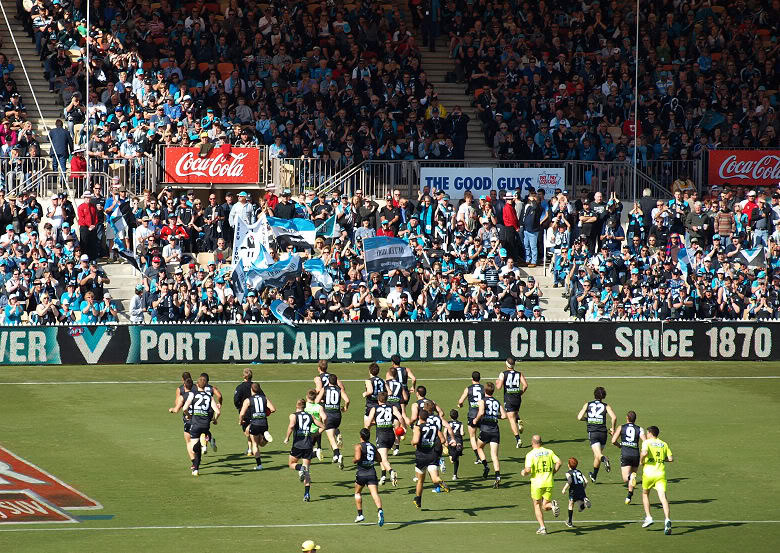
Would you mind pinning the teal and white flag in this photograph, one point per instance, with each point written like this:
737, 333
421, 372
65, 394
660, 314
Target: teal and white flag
329, 228
299, 232
384, 253
319, 274
278, 307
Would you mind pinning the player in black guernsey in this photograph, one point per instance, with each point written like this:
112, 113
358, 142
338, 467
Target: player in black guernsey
395, 398
629, 437
489, 413
331, 396
457, 450
473, 393
182, 392
514, 384
256, 409
403, 375
595, 414
386, 417
243, 392
575, 484
204, 410
323, 376
374, 385
208, 439
301, 427
365, 476
427, 438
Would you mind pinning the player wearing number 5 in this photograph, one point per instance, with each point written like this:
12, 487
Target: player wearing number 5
655, 454
595, 414
542, 463
489, 411
514, 385
627, 437
365, 457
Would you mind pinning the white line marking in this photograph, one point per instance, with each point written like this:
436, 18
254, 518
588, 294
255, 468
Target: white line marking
595, 347
332, 524
463, 379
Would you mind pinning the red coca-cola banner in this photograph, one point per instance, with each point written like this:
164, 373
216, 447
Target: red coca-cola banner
744, 167
222, 165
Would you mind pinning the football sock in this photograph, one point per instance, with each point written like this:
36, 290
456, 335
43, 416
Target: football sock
476, 454
298, 466
630, 494
197, 451
455, 465
484, 463
384, 473
517, 436
360, 512
336, 452
571, 512
596, 471
602, 458
258, 461
498, 474
306, 489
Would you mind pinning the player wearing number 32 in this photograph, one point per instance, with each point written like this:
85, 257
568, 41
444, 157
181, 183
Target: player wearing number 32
595, 414
541, 464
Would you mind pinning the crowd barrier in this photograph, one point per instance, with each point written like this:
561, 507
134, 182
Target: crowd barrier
361, 342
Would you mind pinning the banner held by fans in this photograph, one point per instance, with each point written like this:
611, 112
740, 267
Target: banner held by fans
383, 253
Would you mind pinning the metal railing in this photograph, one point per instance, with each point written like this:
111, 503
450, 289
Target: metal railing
23, 174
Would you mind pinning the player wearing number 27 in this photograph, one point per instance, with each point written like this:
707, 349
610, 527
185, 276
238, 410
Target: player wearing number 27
655, 454
541, 464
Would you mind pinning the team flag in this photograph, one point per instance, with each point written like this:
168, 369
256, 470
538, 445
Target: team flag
278, 308
384, 253
298, 232
755, 257
319, 275
329, 228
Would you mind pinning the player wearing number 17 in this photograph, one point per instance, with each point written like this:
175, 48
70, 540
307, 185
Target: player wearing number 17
541, 464
655, 454
595, 414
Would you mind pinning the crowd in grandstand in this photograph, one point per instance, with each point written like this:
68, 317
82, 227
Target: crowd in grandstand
345, 83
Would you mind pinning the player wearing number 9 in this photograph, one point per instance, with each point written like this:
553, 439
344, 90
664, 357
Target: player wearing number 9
628, 438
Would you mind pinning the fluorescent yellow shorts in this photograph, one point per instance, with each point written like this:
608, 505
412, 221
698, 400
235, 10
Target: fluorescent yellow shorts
658, 482
540, 492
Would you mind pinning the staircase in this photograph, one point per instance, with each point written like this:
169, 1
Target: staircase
122, 286
40, 86
436, 65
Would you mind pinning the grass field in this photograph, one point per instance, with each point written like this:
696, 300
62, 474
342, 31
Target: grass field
106, 431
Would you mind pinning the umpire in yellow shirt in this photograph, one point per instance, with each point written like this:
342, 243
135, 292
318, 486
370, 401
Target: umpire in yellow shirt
655, 454
542, 463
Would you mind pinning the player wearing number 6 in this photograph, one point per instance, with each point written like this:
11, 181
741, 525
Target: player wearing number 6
365, 457
627, 437
595, 414
489, 411
542, 463
655, 454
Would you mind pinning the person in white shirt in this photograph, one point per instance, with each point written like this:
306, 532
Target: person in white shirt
172, 251
510, 268
241, 209
394, 297
142, 232
138, 305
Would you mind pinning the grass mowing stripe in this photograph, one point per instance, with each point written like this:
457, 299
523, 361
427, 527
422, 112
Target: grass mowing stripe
332, 524
309, 380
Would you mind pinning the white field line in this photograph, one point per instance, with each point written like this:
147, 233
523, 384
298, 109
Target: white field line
421, 380
339, 524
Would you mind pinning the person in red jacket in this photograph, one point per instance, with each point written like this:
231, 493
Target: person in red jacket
510, 239
78, 170
173, 229
88, 221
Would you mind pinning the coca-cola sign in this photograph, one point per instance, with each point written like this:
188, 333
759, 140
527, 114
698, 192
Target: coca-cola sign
221, 166
744, 167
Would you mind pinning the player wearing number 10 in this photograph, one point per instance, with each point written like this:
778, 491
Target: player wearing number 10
541, 463
655, 453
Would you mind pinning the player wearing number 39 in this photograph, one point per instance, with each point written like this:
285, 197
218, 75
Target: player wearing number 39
655, 453
541, 464
365, 457
595, 414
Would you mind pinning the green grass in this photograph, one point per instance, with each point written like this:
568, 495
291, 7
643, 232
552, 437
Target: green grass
120, 446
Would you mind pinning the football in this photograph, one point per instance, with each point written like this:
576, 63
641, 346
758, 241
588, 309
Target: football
399, 431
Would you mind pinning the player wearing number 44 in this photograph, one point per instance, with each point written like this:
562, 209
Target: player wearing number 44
595, 414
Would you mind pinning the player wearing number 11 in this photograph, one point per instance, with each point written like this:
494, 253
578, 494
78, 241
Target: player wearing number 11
542, 463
